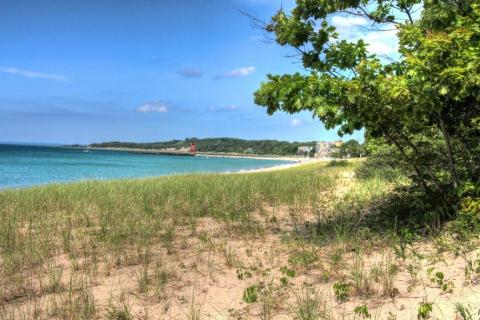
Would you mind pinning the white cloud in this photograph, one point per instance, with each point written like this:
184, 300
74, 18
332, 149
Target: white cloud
382, 42
295, 122
232, 107
352, 29
33, 74
154, 106
347, 22
235, 73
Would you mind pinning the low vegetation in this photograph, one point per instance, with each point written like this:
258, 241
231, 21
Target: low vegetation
218, 145
311, 242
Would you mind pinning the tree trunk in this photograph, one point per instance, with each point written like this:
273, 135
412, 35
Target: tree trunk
451, 160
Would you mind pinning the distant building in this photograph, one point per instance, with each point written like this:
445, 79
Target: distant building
304, 150
324, 149
193, 148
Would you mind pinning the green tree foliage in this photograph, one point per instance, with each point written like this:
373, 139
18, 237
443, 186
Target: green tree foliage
424, 103
350, 149
222, 145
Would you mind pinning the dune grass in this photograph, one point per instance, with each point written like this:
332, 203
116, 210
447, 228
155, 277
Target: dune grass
93, 218
337, 238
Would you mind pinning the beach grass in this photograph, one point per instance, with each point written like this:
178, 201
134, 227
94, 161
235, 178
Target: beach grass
310, 242
113, 216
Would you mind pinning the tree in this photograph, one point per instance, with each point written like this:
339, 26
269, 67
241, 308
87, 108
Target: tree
424, 103
350, 149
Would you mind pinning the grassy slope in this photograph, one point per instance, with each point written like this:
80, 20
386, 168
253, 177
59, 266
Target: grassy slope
42, 221
61, 246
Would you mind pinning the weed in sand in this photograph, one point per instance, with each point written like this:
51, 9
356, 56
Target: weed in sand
195, 305
361, 280
303, 257
385, 274
341, 290
267, 301
250, 294
463, 312
309, 305
121, 312
362, 312
161, 276
230, 255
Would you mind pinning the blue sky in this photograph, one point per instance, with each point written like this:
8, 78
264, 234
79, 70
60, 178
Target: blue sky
92, 71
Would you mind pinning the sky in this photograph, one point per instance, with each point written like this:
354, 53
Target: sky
143, 70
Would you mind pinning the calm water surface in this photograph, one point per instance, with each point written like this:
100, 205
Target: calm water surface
22, 166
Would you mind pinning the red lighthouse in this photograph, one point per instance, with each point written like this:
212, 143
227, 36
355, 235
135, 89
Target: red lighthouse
193, 148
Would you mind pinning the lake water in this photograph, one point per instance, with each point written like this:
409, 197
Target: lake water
22, 166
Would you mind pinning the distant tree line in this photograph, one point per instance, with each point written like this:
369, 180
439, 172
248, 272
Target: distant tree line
221, 145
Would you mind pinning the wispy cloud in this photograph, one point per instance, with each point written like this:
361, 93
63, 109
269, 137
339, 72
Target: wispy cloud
60, 107
295, 122
235, 73
154, 106
232, 107
191, 73
32, 74
355, 28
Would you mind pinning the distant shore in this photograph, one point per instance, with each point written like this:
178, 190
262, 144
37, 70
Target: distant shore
211, 154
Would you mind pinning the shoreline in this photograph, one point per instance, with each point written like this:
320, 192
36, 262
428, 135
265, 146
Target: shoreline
284, 166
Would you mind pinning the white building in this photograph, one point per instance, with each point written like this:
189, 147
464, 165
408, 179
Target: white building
304, 150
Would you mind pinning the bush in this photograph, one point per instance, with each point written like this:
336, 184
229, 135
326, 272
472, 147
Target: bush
379, 167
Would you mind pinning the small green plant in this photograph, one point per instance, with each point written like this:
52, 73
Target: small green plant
362, 312
413, 269
424, 310
402, 240
284, 280
341, 290
204, 237
472, 269
250, 294
195, 305
119, 312
463, 313
385, 275
159, 279
167, 239
362, 282
439, 279
243, 274
309, 305
304, 258
230, 256
391, 316
267, 301
54, 279
288, 272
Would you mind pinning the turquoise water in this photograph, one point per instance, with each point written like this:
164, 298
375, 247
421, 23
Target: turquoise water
22, 166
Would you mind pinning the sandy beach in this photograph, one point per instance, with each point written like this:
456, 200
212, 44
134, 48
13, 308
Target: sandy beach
297, 163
